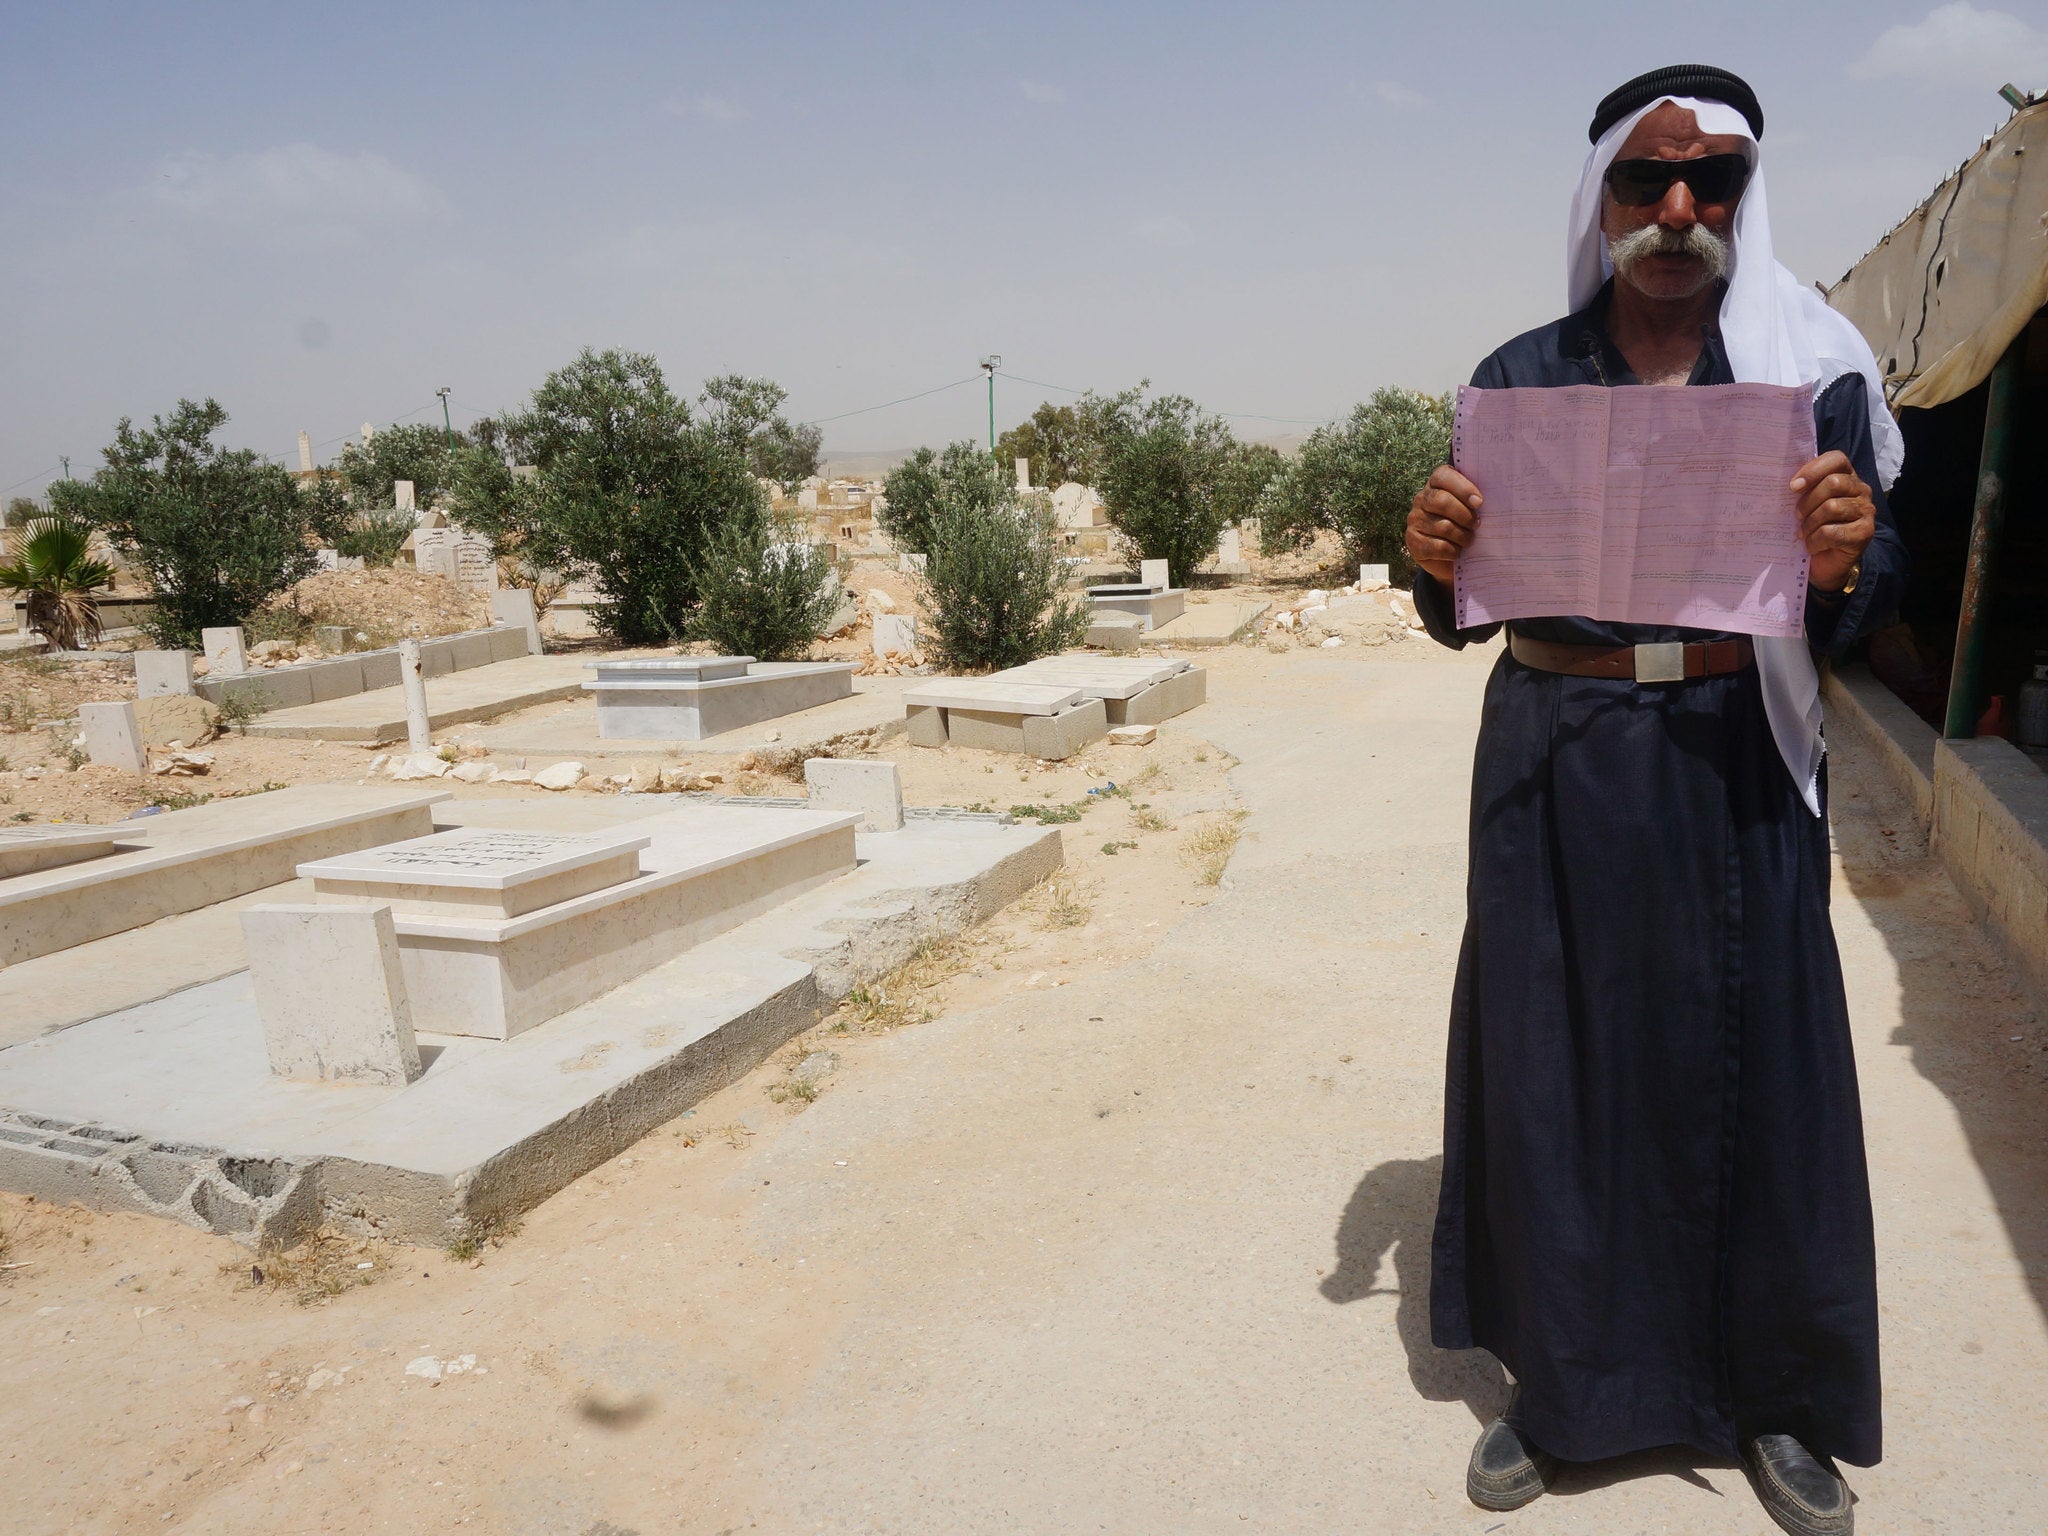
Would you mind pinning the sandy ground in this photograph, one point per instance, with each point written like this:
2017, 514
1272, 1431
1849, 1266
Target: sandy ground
1128, 1235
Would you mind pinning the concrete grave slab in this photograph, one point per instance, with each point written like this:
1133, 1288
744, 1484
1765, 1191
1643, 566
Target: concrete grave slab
170, 1108
501, 931
24, 850
193, 858
690, 698
1153, 606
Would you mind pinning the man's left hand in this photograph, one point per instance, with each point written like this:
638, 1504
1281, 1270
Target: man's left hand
1837, 518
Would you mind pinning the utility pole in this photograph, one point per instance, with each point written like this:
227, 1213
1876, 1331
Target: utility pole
65, 460
989, 365
447, 426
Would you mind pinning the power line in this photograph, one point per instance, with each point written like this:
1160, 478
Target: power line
42, 474
819, 421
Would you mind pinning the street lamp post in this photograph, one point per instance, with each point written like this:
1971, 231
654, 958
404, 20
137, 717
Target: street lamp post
989, 365
447, 426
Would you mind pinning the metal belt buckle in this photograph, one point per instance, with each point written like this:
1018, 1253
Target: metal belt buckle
1663, 662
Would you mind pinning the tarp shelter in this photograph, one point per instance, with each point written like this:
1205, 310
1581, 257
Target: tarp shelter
1942, 296
1951, 302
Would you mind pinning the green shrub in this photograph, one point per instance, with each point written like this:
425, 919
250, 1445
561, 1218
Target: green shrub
1359, 477
1172, 477
219, 531
762, 591
628, 488
994, 587
376, 534
914, 489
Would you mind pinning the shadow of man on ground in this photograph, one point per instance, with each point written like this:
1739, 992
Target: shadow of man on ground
1392, 1211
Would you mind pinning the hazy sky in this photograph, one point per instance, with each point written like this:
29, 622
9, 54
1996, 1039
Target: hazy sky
319, 215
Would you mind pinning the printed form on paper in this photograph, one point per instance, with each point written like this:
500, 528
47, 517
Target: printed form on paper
1638, 504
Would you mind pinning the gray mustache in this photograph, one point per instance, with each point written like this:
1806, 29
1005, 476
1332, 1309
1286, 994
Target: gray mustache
1696, 241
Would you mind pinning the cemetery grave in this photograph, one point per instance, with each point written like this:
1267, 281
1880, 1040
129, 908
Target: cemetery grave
1151, 599
689, 698
441, 1026
1054, 707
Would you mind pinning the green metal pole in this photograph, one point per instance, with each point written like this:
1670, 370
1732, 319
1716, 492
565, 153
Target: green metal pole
991, 413
1994, 463
447, 426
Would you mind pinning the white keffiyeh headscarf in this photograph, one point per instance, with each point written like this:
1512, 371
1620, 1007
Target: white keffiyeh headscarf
1776, 331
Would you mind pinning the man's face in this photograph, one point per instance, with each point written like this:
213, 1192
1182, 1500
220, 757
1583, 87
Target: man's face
1676, 261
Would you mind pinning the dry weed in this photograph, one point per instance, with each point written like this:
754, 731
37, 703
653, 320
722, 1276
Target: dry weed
318, 1269
481, 1232
1208, 847
1064, 901
878, 1005
1149, 820
735, 1134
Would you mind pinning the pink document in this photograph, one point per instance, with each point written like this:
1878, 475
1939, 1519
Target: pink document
1641, 504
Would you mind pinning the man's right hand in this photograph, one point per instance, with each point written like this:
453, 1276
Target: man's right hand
1442, 521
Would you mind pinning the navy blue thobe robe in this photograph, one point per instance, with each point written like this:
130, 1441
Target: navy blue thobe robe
1654, 1209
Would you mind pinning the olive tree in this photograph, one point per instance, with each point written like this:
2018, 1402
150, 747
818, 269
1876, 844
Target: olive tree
218, 531
914, 490
1357, 478
994, 587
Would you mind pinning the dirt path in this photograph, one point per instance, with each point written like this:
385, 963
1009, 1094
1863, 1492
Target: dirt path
1141, 1252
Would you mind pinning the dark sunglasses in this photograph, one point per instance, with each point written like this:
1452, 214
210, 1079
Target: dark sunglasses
1712, 178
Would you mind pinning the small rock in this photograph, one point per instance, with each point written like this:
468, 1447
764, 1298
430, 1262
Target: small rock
471, 773
418, 765
427, 1368
1333, 640
237, 1404
461, 1365
323, 1378
881, 601
1133, 735
772, 736
512, 776
258, 1414
263, 650
377, 763
560, 776
817, 1065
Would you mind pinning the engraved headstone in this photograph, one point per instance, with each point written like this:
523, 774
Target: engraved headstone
475, 566
401, 493
1154, 575
330, 559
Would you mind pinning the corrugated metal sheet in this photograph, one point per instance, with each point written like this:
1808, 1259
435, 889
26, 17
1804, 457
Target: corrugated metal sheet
1943, 295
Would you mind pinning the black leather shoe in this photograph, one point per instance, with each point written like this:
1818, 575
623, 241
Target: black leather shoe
1799, 1490
1507, 1469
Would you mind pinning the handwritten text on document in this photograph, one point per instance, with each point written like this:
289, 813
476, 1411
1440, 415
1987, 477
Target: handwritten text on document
1639, 504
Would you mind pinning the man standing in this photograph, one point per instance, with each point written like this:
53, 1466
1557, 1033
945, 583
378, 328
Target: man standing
1654, 1209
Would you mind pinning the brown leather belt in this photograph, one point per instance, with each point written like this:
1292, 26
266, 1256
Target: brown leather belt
1665, 662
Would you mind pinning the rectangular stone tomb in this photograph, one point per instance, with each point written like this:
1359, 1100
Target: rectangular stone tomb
1154, 605
690, 698
24, 850
1134, 690
194, 858
499, 930
1044, 720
